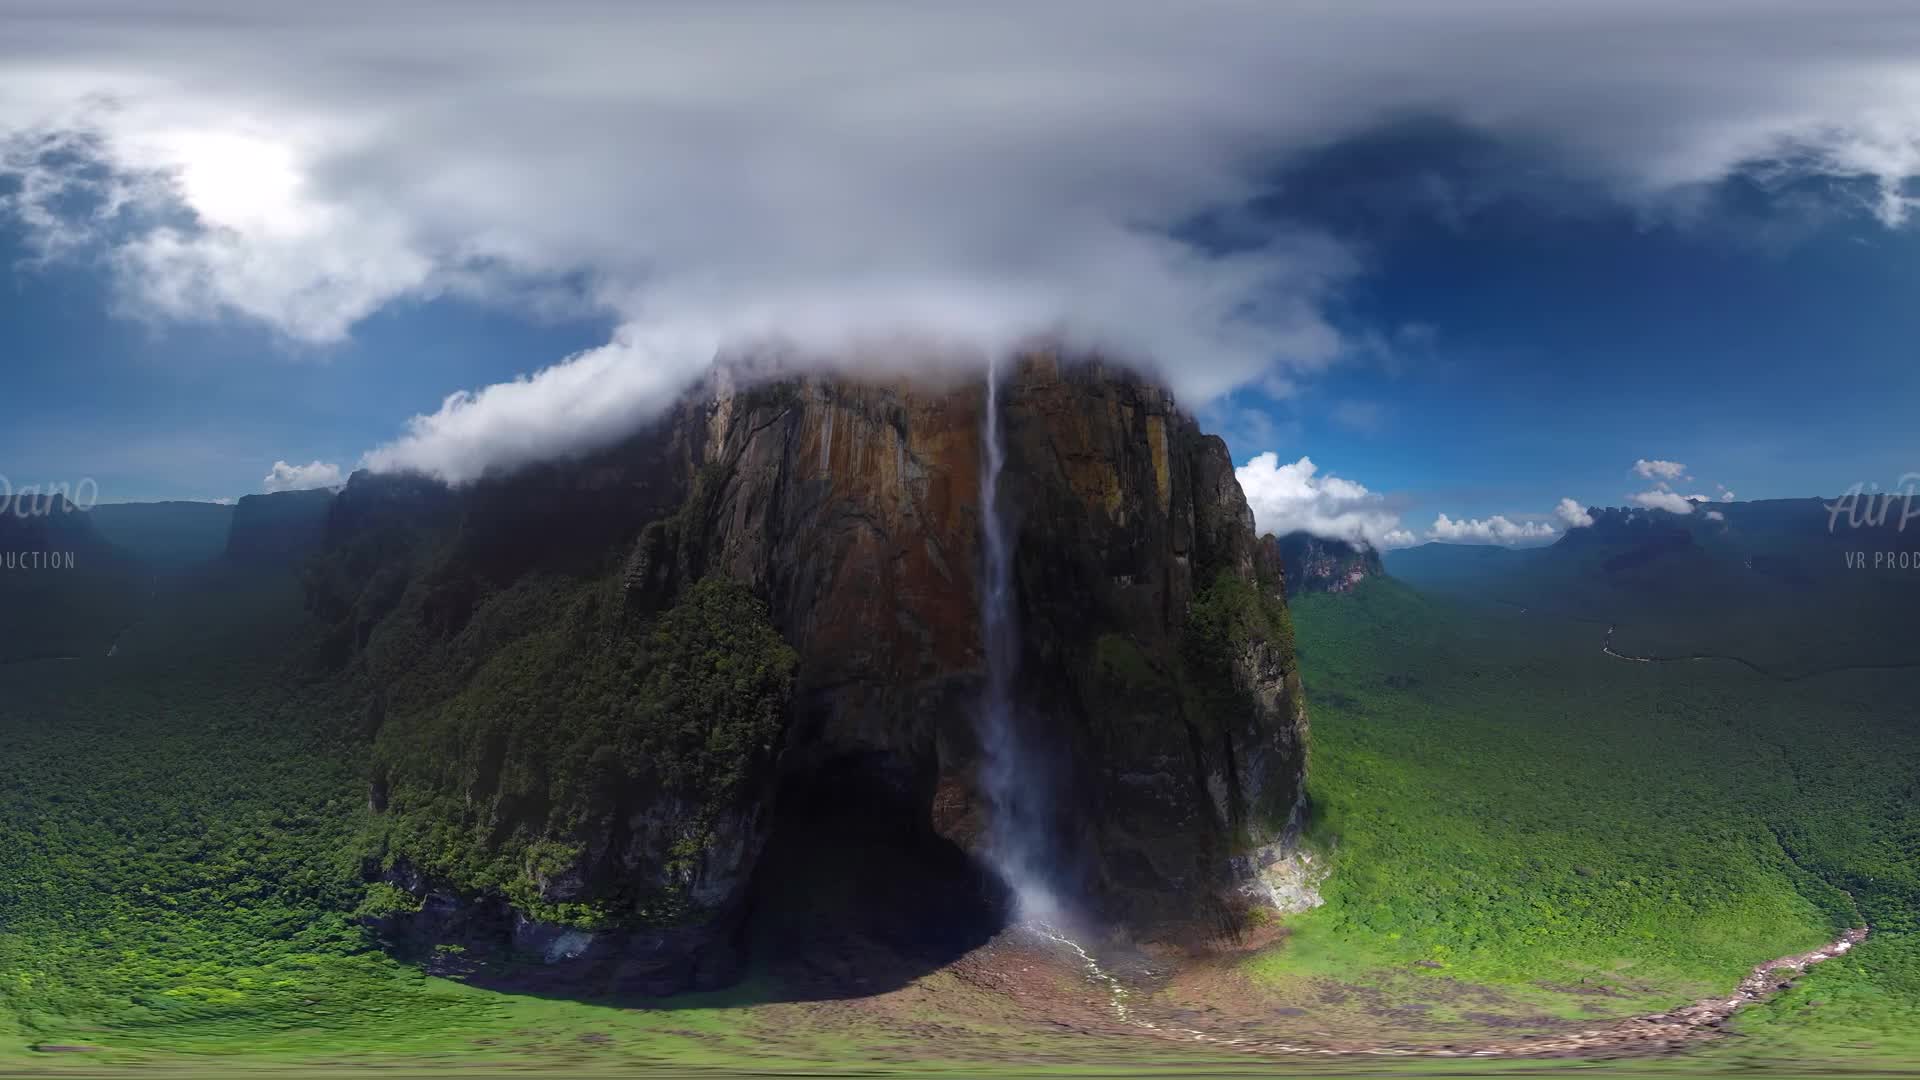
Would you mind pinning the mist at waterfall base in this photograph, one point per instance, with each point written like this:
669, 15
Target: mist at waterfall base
1012, 777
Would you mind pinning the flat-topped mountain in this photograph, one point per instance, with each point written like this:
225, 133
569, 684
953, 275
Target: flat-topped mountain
1793, 586
1309, 563
283, 527
610, 698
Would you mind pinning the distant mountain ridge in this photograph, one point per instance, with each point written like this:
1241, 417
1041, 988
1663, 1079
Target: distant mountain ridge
65, 590
80, 576
166, 535
281, 527
1317, 564
1785, 584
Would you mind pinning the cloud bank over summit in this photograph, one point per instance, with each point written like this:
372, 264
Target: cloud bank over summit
709, 174
1572, 515
288, 477
1662, 495
1296, 497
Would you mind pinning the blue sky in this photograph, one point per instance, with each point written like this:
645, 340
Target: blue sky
1501, 359
158, 409
1539, 345
1467, 261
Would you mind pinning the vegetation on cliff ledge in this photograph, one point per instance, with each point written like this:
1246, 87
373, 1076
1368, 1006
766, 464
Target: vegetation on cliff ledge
520, 783
1236, 629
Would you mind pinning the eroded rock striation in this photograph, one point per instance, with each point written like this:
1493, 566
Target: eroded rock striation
594, 688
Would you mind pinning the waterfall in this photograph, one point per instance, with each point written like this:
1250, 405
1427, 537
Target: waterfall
1014, 786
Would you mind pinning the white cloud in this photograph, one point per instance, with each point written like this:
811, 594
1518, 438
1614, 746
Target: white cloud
587, 400
1725, 495
285, 477
1662, 499
1715, 515
1494, 530
704, 174
1572, 514
1659, 470
1295, 498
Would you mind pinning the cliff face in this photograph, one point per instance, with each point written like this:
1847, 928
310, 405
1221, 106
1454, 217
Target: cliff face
852, 509
1156, 690
280, 528
1311, 563
1157, 659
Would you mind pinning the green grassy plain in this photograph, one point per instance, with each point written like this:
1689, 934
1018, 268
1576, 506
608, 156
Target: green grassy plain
1505, 804
1504, 808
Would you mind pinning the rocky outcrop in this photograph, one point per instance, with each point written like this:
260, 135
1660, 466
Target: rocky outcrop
279, 528
1157, 688
853, 508
1310, 564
